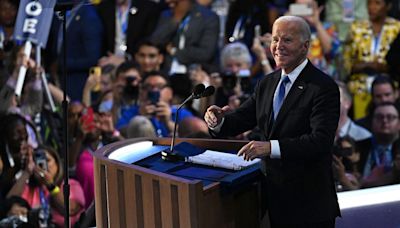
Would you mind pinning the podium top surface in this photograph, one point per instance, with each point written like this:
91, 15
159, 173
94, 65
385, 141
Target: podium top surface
145, 153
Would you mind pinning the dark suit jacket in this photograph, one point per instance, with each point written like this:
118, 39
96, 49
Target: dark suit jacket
201, 36
140, 25
300, 186
365, 147
84, 38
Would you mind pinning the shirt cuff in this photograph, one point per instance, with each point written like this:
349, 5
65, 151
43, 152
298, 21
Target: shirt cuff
217, 128
275, 149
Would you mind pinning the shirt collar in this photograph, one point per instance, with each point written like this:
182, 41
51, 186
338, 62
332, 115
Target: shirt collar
296, 72
344, 130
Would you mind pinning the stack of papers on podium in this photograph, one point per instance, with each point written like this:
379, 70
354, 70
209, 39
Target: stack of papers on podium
221, 160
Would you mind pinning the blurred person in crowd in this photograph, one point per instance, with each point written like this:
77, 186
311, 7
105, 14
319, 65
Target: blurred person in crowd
149, 56
345, 164
99, 81
396, 166
193, 127
9, 102
156, 98
220, 7
140, 126
198, 75
395, 9
94, 131
32, 103
244, 16
74, 113
324, 40
125, 103
260, 48
84, 37
14, 136
365, 50
383, 90
378, 153
41, 185
189, 33
393, 59
235, 68
126, 24
343, 12
346, 126
8, 15
16, 212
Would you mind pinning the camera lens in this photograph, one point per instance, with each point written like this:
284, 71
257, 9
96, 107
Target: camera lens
130, 79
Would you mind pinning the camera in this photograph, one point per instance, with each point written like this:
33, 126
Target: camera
154, 96
342, 151
41, 159
343, 147
229, 80
244, 80
129, 79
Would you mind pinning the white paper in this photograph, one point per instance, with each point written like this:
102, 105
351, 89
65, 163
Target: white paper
221, 160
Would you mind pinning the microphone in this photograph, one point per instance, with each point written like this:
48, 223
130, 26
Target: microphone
198, 92
208, 91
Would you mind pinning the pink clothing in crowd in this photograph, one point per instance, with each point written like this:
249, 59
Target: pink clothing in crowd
32, 196
85, 175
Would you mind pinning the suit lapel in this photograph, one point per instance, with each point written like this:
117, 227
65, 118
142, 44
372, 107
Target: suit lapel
295, 93
269, 94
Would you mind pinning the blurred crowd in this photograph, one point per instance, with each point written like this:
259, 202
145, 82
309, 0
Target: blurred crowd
130, 63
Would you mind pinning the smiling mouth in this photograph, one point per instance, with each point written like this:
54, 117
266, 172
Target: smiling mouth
280, 55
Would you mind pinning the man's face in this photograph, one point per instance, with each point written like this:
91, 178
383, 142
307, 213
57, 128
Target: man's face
149, 58
377, 9
131, 76
385, 120
154, 83
8, 14
17, 136
287, 46
234, 65
383, 93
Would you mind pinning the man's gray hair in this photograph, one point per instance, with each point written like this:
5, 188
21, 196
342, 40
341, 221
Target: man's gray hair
304, 28
237, 51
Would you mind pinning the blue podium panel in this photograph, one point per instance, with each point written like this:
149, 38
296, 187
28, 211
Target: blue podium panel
227, 177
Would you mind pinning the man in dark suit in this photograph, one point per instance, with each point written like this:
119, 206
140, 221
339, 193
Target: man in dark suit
189, 33
126, 23
298, 131
84, 37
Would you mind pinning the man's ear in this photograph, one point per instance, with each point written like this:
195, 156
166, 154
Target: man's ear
307, 45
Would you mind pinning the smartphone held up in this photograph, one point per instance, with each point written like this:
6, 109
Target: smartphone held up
96, 71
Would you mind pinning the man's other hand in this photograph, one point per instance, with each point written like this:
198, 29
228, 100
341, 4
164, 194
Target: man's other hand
255, 149
214, 115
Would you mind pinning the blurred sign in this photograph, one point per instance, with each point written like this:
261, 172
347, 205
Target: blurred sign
34, 20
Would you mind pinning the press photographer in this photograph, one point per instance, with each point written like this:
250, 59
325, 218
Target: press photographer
234, 85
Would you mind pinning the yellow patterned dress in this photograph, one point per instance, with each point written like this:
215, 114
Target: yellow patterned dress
363, 45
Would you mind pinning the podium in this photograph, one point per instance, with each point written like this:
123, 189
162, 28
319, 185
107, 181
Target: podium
129, 195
